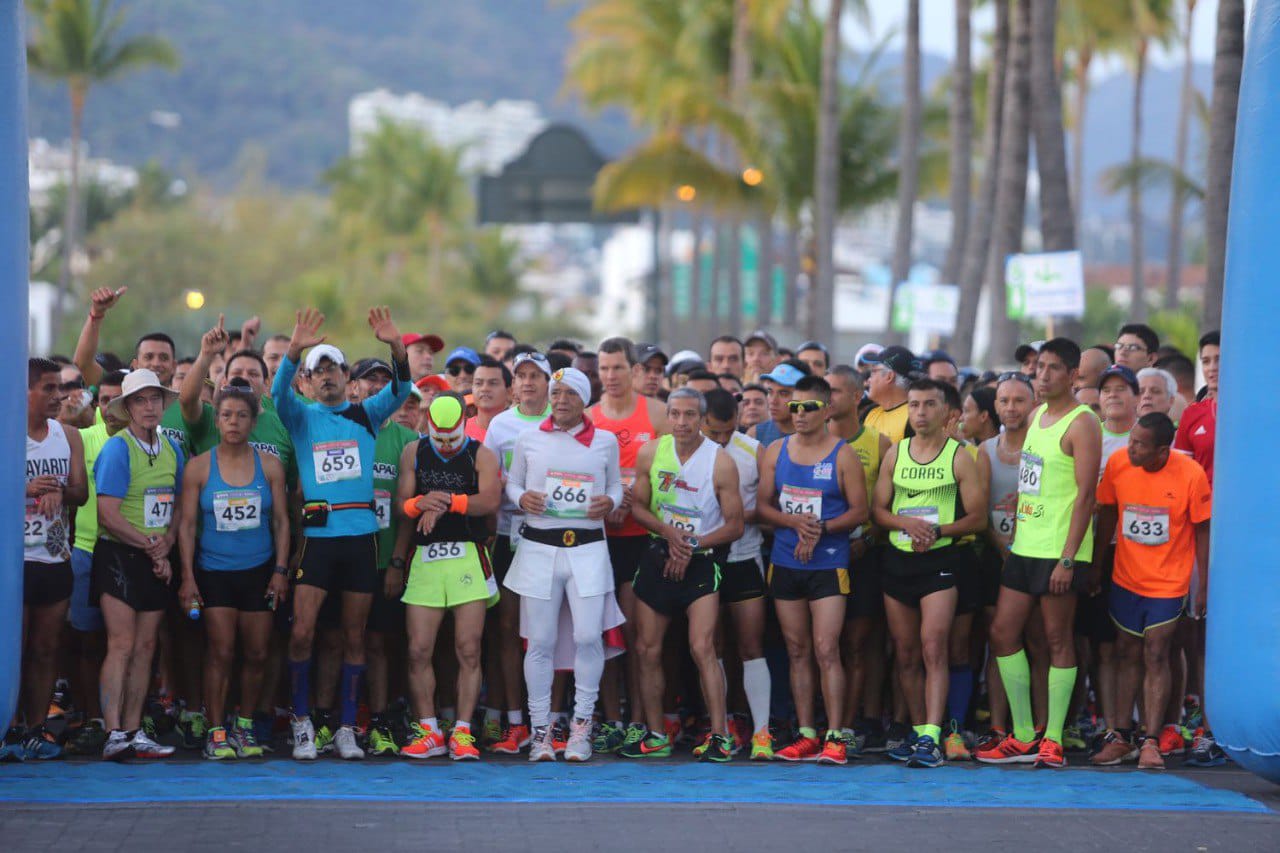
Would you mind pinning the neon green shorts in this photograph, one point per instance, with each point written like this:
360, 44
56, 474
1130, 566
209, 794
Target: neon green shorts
450, 574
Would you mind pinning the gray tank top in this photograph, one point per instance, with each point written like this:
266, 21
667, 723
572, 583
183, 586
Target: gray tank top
1003, 498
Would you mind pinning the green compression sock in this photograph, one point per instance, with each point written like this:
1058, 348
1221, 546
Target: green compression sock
1015, 671
1061, 683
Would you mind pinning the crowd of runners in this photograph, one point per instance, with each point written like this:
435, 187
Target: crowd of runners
571, 553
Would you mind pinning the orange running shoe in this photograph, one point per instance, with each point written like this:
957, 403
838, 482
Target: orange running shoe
672, 728
1171, 741
801, 749
514, 739
1050, 755
1149, 757
1009, 751
423, 743
462, 746
834, 749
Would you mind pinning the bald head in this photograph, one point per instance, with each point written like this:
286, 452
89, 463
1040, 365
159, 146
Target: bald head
1092, 362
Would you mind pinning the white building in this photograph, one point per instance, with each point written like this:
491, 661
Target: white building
41, 297
492, 134
626, 264
49, 166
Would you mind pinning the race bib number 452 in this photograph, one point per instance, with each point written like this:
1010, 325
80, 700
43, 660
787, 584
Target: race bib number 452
336, 460
568, 494
237, 510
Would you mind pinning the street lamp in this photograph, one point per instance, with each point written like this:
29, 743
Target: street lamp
195, 300
686, 193
752, 177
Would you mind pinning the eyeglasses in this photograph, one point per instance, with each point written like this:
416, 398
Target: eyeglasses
805, 406
73, 385
1016, 375
1130, 347
464, 367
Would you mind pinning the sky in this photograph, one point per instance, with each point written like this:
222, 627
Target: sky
937, 32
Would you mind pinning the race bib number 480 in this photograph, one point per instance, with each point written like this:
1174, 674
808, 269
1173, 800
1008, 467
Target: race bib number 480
336, 460
1030, 473
568, 494
1146, 525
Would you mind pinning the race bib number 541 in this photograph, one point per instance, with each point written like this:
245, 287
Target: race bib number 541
797, 501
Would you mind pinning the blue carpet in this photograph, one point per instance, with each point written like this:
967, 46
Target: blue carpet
611, 781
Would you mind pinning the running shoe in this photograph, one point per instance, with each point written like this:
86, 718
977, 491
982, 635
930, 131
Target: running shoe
324, 738
218, 746
1149, 757
151, 725
1115, 749
304, 739
40, 744
608, 739
633, 734
1193, 714
381, 740
145, 747
955, 748
990, 738
1205, 752
926, 753
801, 749
1009, 751
541, 747
559, 736
762, 746
672, 728
898, 735
118, 746
871, 733
514, 739
650, 746
194, 729
578, 748
87, 739
1050, 755
702, 745
1073, 740
12, 749
60, 705
245, 742
423, 743
739, 732
834, 749
719, 749
1170, 741
345, 742
492, 731
462, 746
904, 750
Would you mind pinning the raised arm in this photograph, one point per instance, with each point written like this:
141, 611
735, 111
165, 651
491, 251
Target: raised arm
100, 302
212, 343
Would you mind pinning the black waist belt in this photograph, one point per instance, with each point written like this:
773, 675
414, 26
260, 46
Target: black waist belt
562, 537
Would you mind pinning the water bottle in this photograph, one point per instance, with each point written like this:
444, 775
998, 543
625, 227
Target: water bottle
193, 609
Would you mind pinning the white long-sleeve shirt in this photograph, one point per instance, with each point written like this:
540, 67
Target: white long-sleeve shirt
542, 460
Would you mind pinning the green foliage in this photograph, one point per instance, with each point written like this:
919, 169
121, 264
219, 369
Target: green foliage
1179, 327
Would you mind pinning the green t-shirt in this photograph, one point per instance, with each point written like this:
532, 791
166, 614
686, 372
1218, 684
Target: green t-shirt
269, 436
172, 426
392, 440
87, 516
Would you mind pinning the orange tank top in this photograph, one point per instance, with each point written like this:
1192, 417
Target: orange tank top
632, 432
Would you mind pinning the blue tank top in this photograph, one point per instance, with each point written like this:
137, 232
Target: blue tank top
235, 530
802, 488
767, 432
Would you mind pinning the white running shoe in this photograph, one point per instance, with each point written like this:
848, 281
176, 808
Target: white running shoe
541, 748
579, 746
118, 746
145, 747
304, 739
345, 741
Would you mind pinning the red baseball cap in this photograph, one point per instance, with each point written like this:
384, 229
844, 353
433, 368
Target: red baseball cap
434, 341
434, 381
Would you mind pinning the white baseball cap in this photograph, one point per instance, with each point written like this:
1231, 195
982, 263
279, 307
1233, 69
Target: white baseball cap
323, 351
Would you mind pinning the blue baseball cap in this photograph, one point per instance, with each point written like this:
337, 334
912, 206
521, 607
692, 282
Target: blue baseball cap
463, 354
1123, 372
785, 375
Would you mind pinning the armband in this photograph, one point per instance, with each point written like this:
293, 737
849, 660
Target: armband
459, 503
411, 507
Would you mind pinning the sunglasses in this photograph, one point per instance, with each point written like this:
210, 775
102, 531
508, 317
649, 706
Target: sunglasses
805, 406
464, 367
1015, 375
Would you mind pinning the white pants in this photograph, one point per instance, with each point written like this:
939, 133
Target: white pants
540, 627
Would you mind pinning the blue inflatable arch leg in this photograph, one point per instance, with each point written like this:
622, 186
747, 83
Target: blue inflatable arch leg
1243, 667
13, 341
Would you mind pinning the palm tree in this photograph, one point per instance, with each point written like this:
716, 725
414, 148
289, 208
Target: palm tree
1178, 205
1011, 194
1228, 57
908, 150
79, 41
1151, 20
961, 147
1057, 224
825, 176
978, 240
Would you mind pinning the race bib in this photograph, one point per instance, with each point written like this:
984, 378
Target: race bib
628, 477
336, 460
686, 520
797, 501
437, 552
928, 514
1002, 519
35, 527
237, 510
157, 507
1146, 525
1030, 473
382, 508
568, 494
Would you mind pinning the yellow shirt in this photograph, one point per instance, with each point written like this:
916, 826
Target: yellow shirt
890, 422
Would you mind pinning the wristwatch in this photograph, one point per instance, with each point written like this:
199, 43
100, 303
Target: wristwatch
692, 541
397, 563
281, 570
937, 531
1067, 563
822, 527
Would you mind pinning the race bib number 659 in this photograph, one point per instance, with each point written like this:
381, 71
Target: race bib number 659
336, 460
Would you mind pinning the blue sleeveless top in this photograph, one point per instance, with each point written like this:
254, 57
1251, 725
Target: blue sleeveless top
800, 486
767, 432
235, 529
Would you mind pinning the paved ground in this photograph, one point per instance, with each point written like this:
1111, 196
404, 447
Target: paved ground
323, 807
